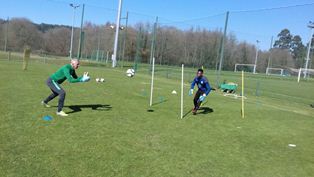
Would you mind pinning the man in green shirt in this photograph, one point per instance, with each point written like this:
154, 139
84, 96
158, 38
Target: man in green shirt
66, 72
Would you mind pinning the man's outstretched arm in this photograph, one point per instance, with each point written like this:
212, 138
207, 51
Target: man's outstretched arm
70, 78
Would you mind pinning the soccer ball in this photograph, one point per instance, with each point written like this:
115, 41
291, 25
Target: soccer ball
130, 72
100, 80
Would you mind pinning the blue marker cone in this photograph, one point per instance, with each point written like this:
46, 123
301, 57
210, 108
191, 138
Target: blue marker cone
47, 118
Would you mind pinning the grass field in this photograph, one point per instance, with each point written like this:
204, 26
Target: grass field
109, 131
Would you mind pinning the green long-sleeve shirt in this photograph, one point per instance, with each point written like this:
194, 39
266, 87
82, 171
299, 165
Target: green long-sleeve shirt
66, 72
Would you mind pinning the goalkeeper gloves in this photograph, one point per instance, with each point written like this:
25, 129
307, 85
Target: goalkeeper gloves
85, 77
202, 98
191, 92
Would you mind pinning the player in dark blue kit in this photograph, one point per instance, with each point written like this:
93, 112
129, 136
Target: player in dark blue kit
203, 89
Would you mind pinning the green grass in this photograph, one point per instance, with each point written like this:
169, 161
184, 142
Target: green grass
124, 139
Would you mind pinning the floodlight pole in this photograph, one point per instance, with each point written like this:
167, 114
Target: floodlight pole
6, 35
222, 46
79, 51
115, 47
73, 19
311, 26
256, 56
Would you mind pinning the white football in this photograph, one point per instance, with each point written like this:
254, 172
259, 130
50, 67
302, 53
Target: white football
130, 72
97, 79
102, 80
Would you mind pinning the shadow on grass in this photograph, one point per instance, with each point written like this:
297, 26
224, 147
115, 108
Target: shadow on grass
205, 110
201, 110
96, 107
159, 102
187, 113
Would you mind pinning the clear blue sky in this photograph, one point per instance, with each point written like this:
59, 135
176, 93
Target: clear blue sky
249, 26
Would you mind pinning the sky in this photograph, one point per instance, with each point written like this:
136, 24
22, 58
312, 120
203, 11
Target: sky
249, 26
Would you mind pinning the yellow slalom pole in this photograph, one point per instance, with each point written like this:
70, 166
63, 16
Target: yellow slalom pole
242, 110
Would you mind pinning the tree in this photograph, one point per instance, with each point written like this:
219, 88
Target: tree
57, 41
284, 39
2, 33
24, 33
282, 58
291, 45
245, 53
195, 47
230, 49
298, 50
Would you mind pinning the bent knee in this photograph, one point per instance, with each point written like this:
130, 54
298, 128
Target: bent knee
62, 93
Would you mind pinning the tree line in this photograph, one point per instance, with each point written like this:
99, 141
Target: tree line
195, 46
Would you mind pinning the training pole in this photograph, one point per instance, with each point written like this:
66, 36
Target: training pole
182, 81
152, 84
242, 110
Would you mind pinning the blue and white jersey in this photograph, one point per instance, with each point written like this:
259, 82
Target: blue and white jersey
202, 84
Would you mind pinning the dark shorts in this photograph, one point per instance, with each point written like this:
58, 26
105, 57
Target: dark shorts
196, 101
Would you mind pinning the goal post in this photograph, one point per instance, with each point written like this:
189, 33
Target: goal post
306, 73
245, 67
275, 71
